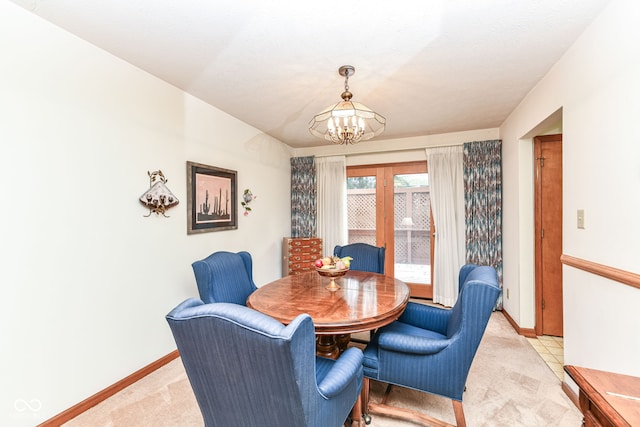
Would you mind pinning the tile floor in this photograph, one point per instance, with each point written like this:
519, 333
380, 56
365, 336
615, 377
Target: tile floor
551, 349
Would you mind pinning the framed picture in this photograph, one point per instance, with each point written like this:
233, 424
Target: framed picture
211, 198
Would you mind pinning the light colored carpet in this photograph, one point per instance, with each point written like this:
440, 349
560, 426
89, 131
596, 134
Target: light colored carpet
509, 385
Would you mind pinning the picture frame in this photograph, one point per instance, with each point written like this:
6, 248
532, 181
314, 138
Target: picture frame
212, 198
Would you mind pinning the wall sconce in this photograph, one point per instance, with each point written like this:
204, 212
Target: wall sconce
247, 197
158, 198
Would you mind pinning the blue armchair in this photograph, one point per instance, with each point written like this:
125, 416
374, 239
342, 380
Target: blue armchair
429, 348
225, 277
247, 369
365, 257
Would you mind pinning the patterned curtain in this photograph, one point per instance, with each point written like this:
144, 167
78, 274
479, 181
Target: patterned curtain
483, 204
303, 197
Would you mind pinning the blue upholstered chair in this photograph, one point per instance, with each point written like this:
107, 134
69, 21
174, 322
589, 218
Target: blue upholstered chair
429, 348
225, 277
365, 257
247, 369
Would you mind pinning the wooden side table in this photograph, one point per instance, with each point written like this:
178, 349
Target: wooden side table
607, 399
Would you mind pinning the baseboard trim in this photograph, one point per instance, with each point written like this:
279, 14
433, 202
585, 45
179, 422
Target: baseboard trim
92, 401
570, 394
525, 332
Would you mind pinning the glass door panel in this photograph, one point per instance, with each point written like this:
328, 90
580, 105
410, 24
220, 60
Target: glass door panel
412, 228
361, 209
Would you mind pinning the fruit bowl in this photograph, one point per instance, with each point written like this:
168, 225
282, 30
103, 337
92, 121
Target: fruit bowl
333, 267
331, 272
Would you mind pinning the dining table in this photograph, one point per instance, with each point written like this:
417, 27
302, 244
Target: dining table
356, 302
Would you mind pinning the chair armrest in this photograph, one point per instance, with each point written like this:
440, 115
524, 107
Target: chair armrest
345, 370
394, 341
426, 317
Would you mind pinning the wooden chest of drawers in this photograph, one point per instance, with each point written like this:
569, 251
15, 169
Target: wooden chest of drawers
298, 254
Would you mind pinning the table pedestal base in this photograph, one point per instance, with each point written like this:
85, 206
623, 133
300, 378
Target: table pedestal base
327, 346
342, 341
332, 346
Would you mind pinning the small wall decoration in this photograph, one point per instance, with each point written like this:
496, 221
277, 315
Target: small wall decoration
247, 197
211, 198
158, 198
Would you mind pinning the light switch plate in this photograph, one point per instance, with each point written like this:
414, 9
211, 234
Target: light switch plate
581, 218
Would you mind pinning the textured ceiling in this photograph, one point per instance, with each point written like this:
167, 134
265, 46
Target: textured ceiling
429, 67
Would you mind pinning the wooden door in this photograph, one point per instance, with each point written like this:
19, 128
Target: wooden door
548, 241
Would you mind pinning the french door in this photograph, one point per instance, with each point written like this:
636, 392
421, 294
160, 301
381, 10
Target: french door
389, 205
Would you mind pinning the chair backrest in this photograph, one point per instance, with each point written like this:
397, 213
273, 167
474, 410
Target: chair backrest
478, 294
464, 272
246, 368
365, 257
225, 277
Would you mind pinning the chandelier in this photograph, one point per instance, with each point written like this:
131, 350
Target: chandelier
347, 122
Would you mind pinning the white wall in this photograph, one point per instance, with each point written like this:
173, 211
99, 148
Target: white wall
86, 279
597, 87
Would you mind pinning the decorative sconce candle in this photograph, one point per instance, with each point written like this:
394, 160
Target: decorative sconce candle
247, 197
158, 198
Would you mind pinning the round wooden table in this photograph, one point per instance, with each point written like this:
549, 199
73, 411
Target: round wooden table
363, 302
